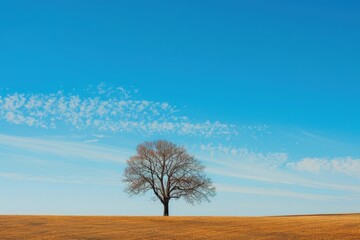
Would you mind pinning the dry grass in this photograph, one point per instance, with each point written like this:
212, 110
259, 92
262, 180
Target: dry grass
184, 228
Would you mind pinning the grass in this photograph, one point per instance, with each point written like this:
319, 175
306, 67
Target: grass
314, 227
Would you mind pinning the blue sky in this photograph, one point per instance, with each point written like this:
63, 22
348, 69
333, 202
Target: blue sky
265, 94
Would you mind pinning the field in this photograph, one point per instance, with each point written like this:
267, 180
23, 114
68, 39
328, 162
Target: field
184, 228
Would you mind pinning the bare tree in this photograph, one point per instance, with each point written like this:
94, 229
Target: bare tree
169, 172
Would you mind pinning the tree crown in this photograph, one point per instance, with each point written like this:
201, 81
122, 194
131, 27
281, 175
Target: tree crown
169, 172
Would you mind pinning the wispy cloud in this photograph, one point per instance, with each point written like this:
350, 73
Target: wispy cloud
271, 168
345, 165
72, 150
269, 159
75, 179
282, 178
91, 140
245, 164
109, 110
275, 192
59, 161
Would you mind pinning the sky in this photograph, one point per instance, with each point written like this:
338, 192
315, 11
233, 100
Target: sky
264, 93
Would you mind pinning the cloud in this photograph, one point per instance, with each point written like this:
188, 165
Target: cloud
75, 179
268, 168
270, 159
345, 165
49, 151
256, 173
59, 161
108, 110
274, 192
91, 141
73, 150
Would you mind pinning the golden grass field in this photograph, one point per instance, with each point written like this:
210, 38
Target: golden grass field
313, 227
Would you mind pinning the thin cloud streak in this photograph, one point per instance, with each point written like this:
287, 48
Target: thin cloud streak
75, 179
270, 159
275, 192
344, 165
245, 169
114, 181
72, 150
283, 178
276, 168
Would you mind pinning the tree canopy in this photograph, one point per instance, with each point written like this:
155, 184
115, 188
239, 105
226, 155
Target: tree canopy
169, 172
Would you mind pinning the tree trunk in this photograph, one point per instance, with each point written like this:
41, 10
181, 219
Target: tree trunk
166, 208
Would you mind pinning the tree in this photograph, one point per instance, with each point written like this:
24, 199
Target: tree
169, 172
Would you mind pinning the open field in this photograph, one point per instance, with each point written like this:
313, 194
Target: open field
185, 228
